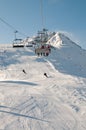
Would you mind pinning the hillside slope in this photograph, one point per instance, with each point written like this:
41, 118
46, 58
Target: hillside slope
67, 56
33, 102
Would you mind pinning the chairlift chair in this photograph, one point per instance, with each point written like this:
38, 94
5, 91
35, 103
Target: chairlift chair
18, 43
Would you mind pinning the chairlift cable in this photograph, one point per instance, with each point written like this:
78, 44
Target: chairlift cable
10, 26
7, 24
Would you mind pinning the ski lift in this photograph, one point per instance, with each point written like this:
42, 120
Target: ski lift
44, 50
43, 36
18, 43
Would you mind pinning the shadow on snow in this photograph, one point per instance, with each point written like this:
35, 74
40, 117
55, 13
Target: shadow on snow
19, 82
22, 115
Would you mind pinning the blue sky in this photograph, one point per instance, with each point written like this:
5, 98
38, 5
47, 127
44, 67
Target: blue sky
68, 16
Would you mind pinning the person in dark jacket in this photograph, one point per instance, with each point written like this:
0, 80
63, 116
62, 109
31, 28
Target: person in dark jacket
24, 71
45, 74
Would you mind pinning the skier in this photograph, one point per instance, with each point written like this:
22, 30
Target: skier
45, 74
24, 71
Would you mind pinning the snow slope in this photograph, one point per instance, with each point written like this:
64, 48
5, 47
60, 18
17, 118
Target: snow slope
33, 102
68, 58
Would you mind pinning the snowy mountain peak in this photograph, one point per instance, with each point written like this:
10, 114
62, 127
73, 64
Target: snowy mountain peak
56, 41
59, 40
68, 57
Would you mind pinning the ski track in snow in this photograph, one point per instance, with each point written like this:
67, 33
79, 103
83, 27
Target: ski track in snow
34, 102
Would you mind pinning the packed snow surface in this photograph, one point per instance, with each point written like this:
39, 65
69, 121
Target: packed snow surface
31, 101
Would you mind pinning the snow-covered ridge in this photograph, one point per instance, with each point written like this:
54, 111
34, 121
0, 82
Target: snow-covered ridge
68, 57
60, 40
55, 41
